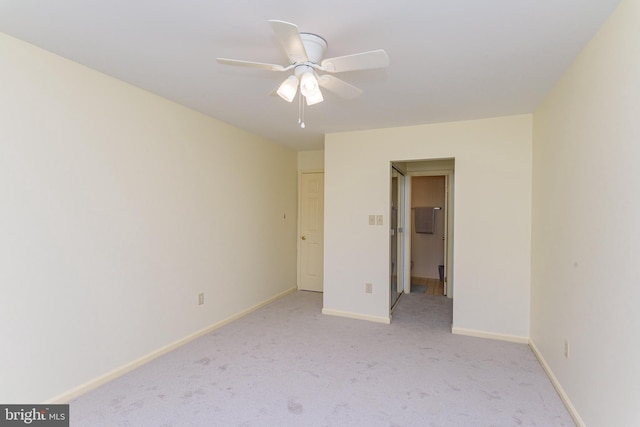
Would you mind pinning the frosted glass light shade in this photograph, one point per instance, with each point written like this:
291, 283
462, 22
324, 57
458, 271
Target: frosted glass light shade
314, 98
308, 83
288, 88
309, 88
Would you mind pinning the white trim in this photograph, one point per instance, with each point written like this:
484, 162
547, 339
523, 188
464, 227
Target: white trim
556, 384
359, 316
301, 171
408, 233
449, 174
75, 392
490, 335
439, 172
403, 282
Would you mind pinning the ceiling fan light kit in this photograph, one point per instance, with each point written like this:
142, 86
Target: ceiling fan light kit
305, 52
288, 89
309, 86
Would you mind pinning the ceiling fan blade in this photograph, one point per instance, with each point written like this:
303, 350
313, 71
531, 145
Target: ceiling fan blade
357, 61
264, 66
339, 87
289, 38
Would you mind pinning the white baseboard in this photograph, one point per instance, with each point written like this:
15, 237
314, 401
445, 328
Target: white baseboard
489, 335
359, 316
556, 384
118, 372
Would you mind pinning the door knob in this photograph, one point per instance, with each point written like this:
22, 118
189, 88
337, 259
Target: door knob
304, 237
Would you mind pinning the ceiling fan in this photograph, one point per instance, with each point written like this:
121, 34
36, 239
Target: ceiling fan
305, 52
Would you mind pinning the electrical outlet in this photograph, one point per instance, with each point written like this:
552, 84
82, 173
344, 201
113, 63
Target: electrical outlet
368, 288
566, 348
201, 298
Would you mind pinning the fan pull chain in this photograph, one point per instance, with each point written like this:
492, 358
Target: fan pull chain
301, 112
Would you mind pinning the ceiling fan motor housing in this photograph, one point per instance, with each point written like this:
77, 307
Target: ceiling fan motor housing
314, 45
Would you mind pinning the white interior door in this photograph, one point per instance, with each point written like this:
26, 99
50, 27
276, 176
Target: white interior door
311, 253
396, 224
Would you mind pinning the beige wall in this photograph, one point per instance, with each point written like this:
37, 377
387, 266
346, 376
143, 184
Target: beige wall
311, 160
586, 234
117, 208
491, 292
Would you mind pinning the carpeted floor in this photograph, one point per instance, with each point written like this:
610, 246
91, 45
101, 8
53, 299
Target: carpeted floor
288, 365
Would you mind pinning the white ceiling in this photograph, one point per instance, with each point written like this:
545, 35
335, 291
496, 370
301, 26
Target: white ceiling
449, 59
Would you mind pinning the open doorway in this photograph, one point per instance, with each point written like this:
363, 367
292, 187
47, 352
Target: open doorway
429, 242
428, 250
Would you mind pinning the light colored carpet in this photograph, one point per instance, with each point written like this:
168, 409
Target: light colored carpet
288, 365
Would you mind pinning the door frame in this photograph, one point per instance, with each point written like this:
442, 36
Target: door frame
401, 281
448, 243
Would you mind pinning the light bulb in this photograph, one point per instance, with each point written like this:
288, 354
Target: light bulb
308, 84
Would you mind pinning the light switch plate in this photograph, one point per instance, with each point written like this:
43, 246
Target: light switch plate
372, 220
379, 219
